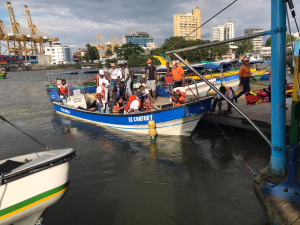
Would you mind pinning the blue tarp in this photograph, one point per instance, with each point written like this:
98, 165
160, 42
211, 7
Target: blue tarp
218, 65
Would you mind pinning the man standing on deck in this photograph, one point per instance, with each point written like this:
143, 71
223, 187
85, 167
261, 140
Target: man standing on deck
151, 77
178, 74
112, 75
127, 77
245, 76
102, 98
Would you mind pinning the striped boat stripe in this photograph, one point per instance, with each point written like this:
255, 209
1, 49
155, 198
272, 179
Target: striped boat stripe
21, 206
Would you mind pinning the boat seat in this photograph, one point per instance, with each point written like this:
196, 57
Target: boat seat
9, 165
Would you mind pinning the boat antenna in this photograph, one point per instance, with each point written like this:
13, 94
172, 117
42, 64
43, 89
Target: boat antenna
45, 146
203, 24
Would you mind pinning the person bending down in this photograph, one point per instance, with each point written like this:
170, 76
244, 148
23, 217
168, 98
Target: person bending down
229, 93
178, 97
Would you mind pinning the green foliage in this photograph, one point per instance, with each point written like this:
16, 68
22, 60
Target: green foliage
109, 61
77, 66
92, 53
244, 46
100, 65
202, 54
108, 53
126, 50
140, 60
268, 42
288, 39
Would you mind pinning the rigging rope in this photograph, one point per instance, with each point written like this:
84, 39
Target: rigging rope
224, 135
45, 146
204, 23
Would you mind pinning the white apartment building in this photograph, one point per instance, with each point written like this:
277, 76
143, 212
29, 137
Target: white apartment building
258, 41
218, 33
59, 54
224, 32
229, 30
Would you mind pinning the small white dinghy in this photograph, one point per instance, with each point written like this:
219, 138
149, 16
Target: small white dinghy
29, 184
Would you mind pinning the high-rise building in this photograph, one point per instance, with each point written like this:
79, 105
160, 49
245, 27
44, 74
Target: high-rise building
218, 33
229, 32
60, 54
256, 42
223, 32
185, 24
139, 38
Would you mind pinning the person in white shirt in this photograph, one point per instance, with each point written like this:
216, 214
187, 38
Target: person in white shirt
102, 96
134, 104
102, 78
112, 75
127, 76
120, 74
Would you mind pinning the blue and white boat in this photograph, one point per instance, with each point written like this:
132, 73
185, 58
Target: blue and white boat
172, 120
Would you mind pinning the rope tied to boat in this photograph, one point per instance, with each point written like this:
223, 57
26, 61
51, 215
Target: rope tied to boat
42, 144
237, 152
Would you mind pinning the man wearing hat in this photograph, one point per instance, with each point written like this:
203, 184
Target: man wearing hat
99, 78
112, 75
178, 74
245, 76
151, 78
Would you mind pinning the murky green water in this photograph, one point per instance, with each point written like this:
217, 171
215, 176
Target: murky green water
119, 178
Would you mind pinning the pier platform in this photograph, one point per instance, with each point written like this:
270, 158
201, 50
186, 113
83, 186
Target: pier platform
278, 210
260, 114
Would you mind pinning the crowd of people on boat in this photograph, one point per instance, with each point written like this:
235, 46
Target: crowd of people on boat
116, 86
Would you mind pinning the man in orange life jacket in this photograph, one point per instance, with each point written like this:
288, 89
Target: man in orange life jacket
102, 98
245, 76
134, 104
229, 93
178, 97
62, 90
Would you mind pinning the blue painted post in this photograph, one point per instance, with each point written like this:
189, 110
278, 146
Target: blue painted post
278, 162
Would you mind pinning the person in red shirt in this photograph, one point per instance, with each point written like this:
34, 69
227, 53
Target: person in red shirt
245, 76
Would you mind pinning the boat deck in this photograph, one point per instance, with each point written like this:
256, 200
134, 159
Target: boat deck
278, 211
260, 114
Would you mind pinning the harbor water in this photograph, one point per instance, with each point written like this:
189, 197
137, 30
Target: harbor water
120, 178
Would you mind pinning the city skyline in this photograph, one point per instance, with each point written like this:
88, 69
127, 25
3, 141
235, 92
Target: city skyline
77, 23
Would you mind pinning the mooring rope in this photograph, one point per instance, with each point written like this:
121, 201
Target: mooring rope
224, 135
45, 146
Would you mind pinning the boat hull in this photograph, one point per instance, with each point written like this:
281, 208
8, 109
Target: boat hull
27, 196
179, 120
2, 75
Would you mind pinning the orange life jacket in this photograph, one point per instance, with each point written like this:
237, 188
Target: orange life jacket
97, 80
102, 94
131, 99
181, 99
63, 89
228, 91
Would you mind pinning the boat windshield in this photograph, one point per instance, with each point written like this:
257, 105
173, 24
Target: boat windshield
75, 88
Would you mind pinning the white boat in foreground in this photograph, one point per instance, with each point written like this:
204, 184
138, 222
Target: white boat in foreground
31, 183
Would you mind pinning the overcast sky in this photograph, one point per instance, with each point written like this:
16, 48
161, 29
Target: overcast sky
77, 22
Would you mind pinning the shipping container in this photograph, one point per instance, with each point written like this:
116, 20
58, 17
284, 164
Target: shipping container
3, 63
